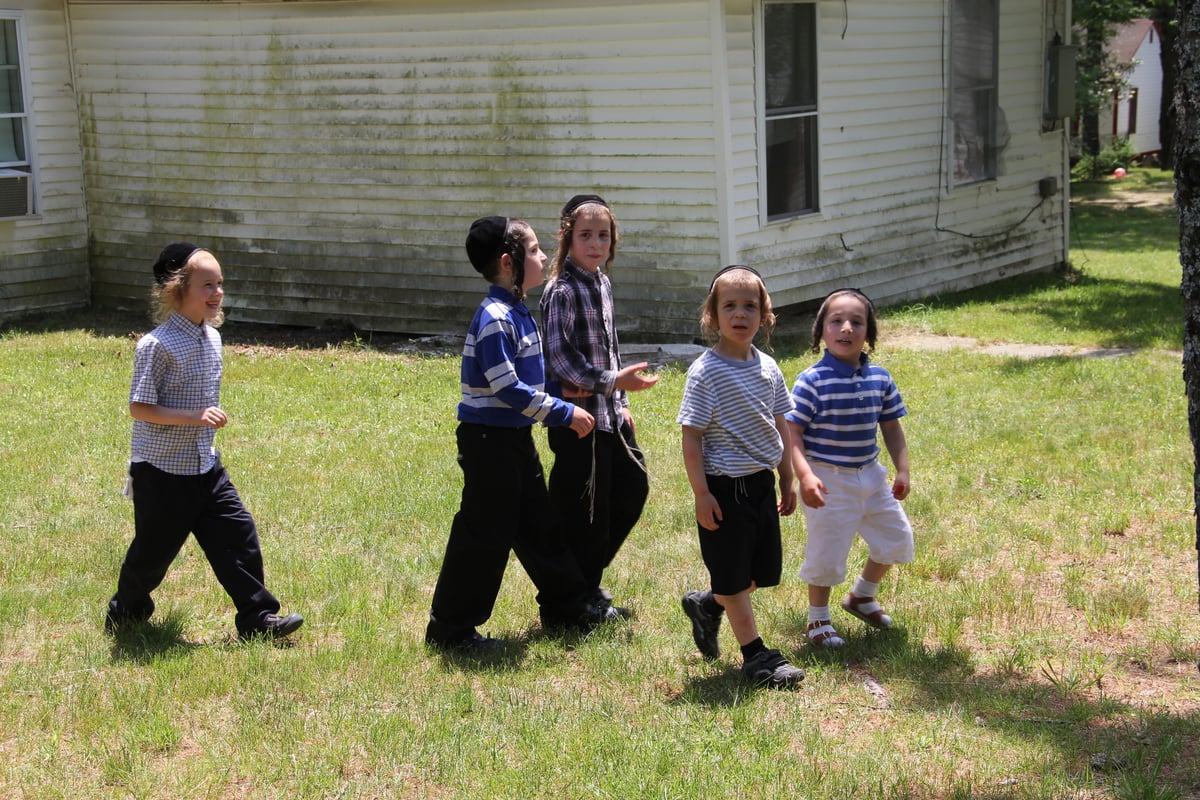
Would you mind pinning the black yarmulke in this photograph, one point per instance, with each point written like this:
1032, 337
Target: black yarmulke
581, 200
171, 260
485, 241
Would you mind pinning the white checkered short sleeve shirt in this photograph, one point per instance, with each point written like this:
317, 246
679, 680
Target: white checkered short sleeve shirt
177, 365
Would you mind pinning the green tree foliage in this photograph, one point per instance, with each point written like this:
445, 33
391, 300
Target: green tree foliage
1097, 74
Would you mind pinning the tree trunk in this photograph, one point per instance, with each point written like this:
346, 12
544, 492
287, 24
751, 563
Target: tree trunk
1164, 14
1187, 199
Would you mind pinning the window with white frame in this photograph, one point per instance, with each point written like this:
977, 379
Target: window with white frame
16, 166
789, 58
974, 96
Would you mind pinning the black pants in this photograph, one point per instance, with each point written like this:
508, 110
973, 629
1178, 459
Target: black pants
166, 508
504, 508
597, 520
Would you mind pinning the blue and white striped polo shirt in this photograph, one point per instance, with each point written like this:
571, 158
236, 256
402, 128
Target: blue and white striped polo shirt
840, 407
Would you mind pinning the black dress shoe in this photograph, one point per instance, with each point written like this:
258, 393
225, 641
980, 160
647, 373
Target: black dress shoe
118, 618
274, 627
474, 643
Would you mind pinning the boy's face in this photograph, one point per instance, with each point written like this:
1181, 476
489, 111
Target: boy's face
591, 238
535, 262
202, 299
739, 313
845, 330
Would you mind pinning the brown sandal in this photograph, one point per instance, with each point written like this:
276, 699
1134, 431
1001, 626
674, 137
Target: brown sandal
869, 611
822, 632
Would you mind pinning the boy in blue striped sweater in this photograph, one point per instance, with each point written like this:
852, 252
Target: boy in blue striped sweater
504, 500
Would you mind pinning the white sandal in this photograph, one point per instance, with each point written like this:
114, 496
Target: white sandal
823, 633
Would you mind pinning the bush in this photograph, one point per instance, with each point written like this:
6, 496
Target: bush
1118, 154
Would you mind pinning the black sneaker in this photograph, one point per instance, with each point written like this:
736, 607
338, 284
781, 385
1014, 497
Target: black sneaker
615, 613
769, 668
274, 626
474, 643
705, 626
116, 620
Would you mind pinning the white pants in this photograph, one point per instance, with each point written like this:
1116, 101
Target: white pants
858, 501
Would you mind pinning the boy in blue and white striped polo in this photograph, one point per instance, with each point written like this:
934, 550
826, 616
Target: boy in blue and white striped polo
841, 403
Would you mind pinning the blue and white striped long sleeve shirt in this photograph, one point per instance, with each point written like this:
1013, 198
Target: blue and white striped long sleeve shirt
503, 373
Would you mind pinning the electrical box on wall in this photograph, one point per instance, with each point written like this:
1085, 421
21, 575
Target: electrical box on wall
1060, 81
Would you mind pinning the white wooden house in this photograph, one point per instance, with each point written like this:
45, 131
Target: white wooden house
334, 153
1134, 114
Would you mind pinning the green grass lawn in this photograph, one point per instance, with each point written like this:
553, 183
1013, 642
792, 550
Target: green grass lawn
1046, 634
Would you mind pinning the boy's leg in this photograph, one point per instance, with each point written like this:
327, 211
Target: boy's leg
163, 509
629, 488
543, 552
227, 534
740, 614
579, 488
481, 536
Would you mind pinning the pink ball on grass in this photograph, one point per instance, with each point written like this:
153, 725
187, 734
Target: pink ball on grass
1119, 172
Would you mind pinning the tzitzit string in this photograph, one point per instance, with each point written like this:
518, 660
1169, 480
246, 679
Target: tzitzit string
589, 487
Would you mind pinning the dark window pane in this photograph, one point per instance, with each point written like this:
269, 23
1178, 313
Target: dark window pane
791, 166
791, 58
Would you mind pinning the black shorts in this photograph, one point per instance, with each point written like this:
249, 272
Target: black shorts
745, 549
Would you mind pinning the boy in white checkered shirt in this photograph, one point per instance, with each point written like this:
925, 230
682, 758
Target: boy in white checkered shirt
175, 474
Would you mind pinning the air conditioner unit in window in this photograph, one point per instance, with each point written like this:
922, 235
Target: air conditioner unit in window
15, 193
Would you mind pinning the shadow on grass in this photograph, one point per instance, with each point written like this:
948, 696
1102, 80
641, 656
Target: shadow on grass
1131, 313
1122, 229
145, 642
117, 324
1092, 732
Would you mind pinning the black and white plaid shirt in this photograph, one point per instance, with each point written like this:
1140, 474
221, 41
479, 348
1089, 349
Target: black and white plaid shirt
177, 365
580, 342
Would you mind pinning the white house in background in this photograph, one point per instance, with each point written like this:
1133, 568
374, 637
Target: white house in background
1135, 113
334, 153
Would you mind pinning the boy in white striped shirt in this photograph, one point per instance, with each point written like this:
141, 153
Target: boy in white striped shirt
734, 439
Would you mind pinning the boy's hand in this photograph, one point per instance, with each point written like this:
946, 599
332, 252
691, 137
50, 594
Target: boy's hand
582, 422
629, 380
901, 485
787, 497
212, 417
812, 491
708, 511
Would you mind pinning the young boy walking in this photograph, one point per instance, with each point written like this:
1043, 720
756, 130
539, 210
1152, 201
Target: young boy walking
504, 505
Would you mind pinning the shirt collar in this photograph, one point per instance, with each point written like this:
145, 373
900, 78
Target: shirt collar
185, 325
584, 274
505, 296
840, 367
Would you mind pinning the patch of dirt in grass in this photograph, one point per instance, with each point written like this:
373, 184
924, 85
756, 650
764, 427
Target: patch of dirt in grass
916, 340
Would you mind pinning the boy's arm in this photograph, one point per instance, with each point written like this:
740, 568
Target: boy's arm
212, 416
897, 447
496, 355
812, 488
787, 475
708, 511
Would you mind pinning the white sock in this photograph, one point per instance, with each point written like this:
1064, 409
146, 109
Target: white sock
864, 588
818, 614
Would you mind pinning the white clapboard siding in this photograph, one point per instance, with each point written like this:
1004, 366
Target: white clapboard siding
333, 154
43, 258
887, 222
